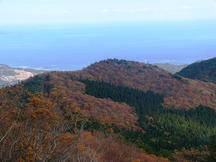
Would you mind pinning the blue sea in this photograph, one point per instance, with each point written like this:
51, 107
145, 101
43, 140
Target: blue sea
74, 46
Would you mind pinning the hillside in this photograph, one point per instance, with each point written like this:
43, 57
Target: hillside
115, 104
171, 68
11, 76
51, 117
203, 70
178, 92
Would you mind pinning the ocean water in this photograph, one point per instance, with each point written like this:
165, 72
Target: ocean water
72, 47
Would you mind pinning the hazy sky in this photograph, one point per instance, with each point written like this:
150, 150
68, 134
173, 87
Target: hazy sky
84, 11
179, 31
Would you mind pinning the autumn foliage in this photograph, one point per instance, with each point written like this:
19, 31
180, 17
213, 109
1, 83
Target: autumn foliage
52, 118
179, 92
48, 124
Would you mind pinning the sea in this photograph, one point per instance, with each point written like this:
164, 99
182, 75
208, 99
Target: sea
75, 46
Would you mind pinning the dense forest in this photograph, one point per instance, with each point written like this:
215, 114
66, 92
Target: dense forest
76, 116
47, 119
178, 91
204, 70
165, 129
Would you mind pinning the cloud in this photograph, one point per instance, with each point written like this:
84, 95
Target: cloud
105, 10
67, 11
49, 11
125, 11
187, 7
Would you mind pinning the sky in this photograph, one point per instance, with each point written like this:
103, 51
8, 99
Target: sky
71, 34
102, 11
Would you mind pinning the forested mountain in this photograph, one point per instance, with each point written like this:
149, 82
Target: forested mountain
51, 118
204, 70
111, 111
11, 76
178, 92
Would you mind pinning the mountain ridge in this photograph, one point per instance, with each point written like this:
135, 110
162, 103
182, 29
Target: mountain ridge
178, 91
115, 104
202, 70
